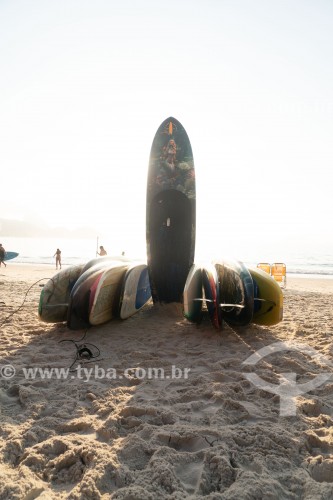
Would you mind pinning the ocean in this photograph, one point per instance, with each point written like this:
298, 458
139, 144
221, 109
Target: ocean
318, 263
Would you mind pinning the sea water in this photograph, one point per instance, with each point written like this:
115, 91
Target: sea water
73, 250
316, 263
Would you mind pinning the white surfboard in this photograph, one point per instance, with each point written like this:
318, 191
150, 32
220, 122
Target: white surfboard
102, 305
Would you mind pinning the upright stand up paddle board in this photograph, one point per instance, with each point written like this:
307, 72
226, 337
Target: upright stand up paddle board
170, 213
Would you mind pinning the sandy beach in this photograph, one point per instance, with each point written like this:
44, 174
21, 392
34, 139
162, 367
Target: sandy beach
166, 409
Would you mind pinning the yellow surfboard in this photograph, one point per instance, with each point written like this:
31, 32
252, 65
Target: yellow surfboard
268, 299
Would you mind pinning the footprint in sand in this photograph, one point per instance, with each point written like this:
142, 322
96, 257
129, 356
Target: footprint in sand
320, 469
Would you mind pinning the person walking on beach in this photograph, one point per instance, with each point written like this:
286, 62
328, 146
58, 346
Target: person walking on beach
102, 251
2, 255
57, 255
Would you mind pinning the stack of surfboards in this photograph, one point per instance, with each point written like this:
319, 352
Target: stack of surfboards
232, 293
110, 287
94, 293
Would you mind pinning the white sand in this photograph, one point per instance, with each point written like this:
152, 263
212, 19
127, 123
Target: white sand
213, 434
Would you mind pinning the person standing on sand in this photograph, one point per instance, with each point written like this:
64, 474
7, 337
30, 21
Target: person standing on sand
102, 251
2, 255
57, 255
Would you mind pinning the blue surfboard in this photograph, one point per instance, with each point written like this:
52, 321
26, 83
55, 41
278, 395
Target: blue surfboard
10, 255
135, 292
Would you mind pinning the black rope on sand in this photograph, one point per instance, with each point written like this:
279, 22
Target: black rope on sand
83, 351
20, 307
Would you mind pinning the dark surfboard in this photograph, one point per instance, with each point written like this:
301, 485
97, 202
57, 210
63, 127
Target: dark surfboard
170, 213
78, 307
236, 292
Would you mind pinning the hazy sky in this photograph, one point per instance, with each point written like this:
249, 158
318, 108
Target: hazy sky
85, 84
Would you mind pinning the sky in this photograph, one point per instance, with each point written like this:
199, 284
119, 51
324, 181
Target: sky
85, 84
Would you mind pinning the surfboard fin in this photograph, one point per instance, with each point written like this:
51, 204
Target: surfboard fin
239, 306
265, 300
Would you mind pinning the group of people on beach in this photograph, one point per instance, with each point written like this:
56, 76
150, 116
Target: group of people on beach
57, 255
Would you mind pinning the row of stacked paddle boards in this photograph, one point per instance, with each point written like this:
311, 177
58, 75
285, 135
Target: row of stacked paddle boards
96, 292
114, 287
232, 293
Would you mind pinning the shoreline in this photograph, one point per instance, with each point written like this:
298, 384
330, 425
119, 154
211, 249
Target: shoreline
290, 275
31, 272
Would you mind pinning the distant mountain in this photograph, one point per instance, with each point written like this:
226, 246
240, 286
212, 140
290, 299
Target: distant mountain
15, 228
